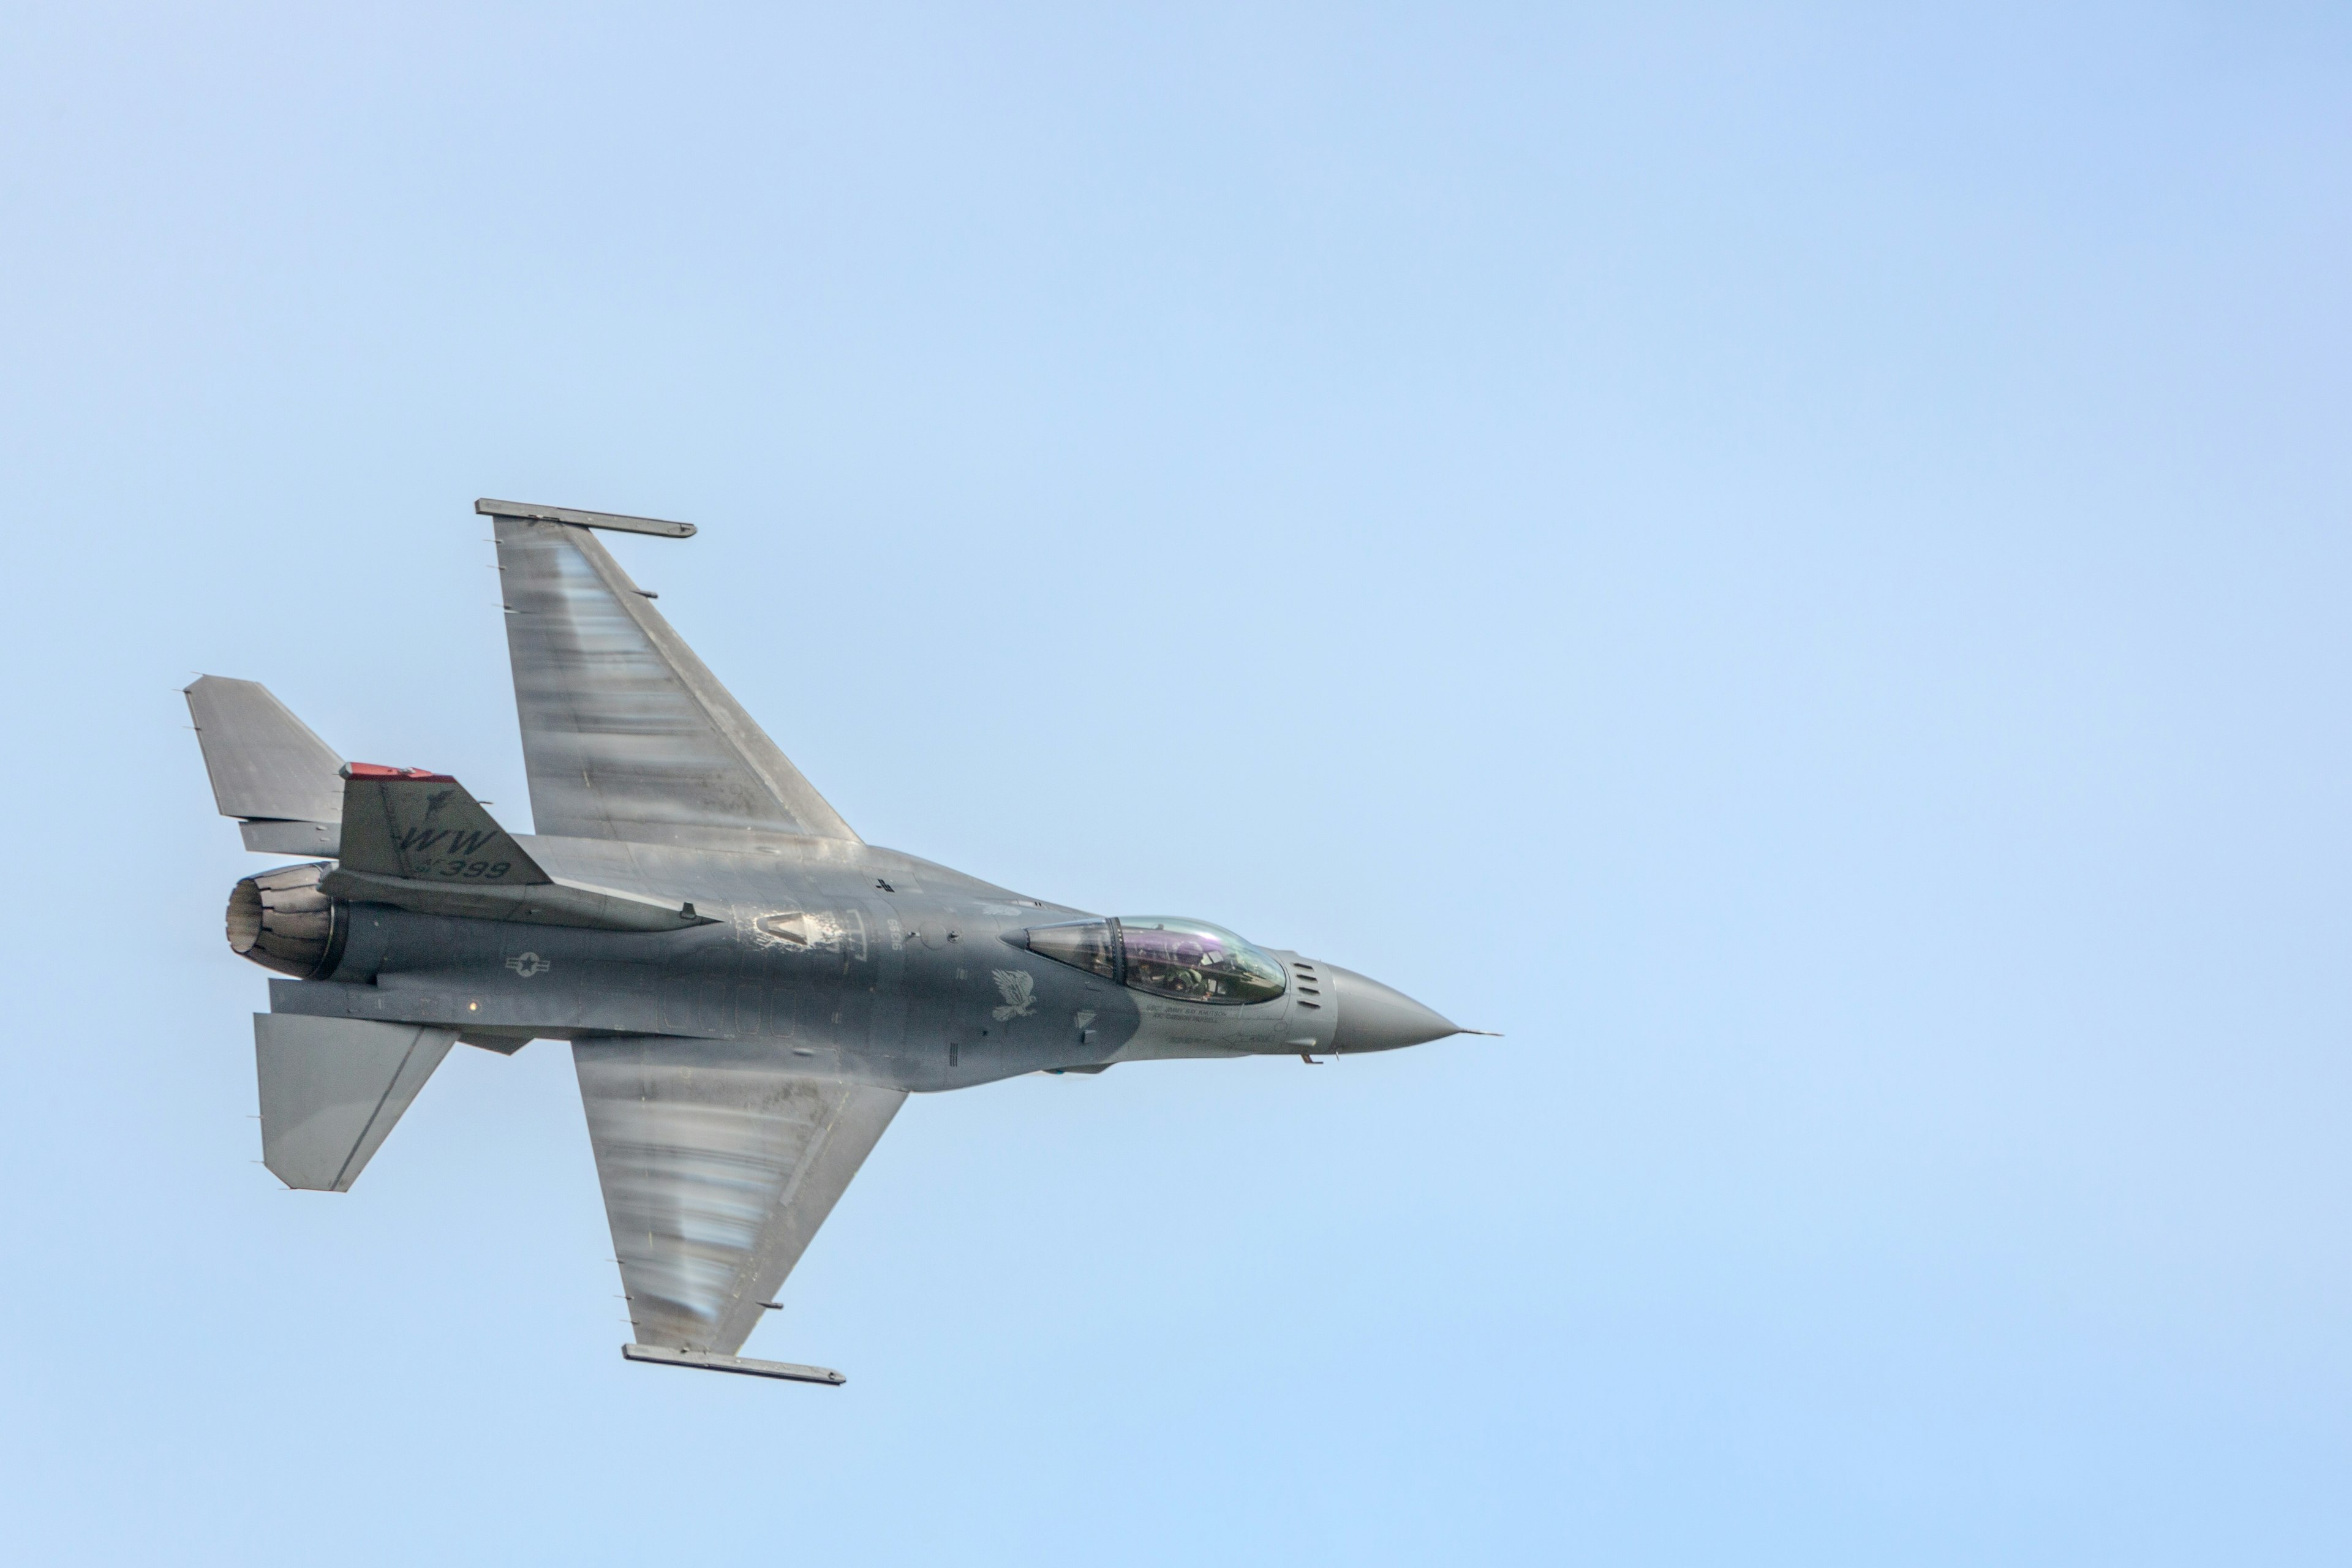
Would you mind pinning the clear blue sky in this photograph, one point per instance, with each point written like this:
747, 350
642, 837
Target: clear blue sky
1794, 561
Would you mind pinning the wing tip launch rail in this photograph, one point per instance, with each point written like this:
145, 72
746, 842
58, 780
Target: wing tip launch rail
790, 1372
618, 521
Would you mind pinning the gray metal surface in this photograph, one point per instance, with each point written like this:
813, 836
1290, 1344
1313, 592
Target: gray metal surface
791, 1371
749, 989
265, 837
1376, 1018
625, 734
283, 919
264, 762
553, 903
718, 1167
333, 1088
428, 827
619, 522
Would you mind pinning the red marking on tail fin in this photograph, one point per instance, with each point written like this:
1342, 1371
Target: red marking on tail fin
378, 771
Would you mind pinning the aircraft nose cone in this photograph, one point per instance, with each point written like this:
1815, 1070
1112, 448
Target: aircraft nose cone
1374, 1017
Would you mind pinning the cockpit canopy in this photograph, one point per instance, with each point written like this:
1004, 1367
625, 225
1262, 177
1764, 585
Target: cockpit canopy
1192, 961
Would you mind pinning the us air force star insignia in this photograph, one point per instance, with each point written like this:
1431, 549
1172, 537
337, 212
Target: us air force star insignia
530, 963
1017, 988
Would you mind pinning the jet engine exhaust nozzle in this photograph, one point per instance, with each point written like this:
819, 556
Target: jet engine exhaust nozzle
281, 921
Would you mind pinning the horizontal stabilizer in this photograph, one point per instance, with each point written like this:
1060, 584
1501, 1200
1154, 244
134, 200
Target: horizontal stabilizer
266, 767
424, 827
267, 837
332, 1090
791, 1371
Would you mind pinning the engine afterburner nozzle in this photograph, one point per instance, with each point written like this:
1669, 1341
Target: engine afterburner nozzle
281, 921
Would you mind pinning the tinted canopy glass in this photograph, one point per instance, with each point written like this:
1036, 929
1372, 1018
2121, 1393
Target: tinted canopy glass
1190, 960
1087, 944
1196, 961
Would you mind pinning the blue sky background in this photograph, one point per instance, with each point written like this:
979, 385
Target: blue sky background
1793, 560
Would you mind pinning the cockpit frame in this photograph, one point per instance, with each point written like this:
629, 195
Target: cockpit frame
1185, 960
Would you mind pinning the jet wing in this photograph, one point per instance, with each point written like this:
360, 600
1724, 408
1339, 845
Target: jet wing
625, 733
717, 1168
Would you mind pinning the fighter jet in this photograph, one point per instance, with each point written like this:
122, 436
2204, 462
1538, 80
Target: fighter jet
750, 990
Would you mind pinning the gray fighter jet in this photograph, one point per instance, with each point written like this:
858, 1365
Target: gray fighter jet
750, 989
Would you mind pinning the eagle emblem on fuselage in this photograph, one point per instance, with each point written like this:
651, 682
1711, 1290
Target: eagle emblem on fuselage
1019, 991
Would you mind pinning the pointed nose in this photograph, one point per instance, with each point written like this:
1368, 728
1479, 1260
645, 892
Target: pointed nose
1373, 1018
